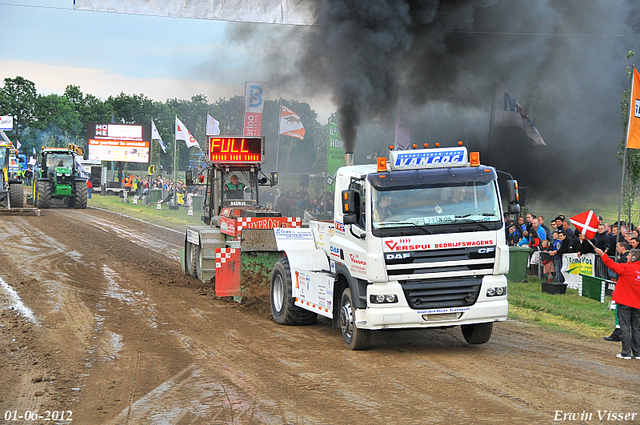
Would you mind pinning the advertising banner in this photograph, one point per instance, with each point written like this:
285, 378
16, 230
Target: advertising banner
119, 150
335, 157
253, 105
296, 12
572, 266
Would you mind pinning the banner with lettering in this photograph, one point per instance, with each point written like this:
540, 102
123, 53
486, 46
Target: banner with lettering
335, 157
572, 266
253, 105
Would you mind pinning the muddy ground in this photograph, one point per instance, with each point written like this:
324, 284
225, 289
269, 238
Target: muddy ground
98, 323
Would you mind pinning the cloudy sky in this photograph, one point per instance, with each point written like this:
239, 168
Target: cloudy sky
53, 45
563, 61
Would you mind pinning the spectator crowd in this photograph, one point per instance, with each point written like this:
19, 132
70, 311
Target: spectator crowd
550, 243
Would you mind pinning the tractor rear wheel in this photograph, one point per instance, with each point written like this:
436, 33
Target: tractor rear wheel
81, 195
43, 194
16, 195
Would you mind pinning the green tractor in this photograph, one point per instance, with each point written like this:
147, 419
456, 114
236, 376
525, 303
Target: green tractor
59, 177
11, 190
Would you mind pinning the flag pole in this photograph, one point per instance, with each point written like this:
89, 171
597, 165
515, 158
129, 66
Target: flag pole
624, 158
175, 153
493, 100
149, 169
278, 148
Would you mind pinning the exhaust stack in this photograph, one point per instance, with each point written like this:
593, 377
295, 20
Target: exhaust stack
348, 159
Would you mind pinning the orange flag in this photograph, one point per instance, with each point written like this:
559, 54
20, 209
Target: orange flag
633, 132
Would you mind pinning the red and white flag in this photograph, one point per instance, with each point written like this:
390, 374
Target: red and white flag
587, 223
290, 124
183, 134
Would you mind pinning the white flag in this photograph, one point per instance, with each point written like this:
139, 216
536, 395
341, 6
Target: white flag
507, 112
183, 134
18, 144
6, 122
156, 135
213, 126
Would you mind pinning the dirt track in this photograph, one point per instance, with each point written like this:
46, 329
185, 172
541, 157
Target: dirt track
96, 319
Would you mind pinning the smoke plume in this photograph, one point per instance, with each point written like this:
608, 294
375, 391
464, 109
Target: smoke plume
563, 61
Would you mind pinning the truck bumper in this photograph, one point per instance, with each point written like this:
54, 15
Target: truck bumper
400, 315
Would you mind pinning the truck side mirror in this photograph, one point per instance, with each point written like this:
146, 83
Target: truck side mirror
350, 206
513, 197
188, 178
274, 178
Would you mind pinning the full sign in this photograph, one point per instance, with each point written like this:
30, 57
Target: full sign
236, 149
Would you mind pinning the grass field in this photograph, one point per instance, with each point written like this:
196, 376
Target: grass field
174, 219
567, 313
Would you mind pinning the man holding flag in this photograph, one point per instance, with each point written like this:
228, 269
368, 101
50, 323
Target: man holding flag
627, 298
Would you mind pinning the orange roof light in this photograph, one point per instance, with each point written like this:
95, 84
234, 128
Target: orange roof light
437, 144
474, 159
460, 143
390, 147
414, 145
426, 145
382, 164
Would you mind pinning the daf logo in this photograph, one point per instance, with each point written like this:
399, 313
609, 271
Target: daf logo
398, 256
486, 250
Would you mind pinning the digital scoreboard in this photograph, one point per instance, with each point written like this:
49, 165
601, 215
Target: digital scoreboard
119, 142
236, 149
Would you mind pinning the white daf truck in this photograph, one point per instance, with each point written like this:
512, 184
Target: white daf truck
417, 241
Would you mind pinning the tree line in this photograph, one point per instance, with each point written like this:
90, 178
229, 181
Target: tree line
56, 120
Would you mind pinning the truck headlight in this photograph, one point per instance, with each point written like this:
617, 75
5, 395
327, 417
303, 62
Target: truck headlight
498, 291
383, 299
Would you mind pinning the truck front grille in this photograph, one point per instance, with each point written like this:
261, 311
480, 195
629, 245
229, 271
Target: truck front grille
443, 263
441, 293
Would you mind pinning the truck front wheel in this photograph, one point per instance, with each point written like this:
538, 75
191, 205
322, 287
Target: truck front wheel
356, 339
283, 309
478, 333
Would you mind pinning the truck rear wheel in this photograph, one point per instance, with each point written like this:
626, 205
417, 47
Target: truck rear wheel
283, 309
81, 195
43, 194
478, 333
16, 195
356, 339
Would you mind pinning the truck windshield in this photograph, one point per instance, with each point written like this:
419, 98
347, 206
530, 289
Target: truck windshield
3, 154
436, 205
